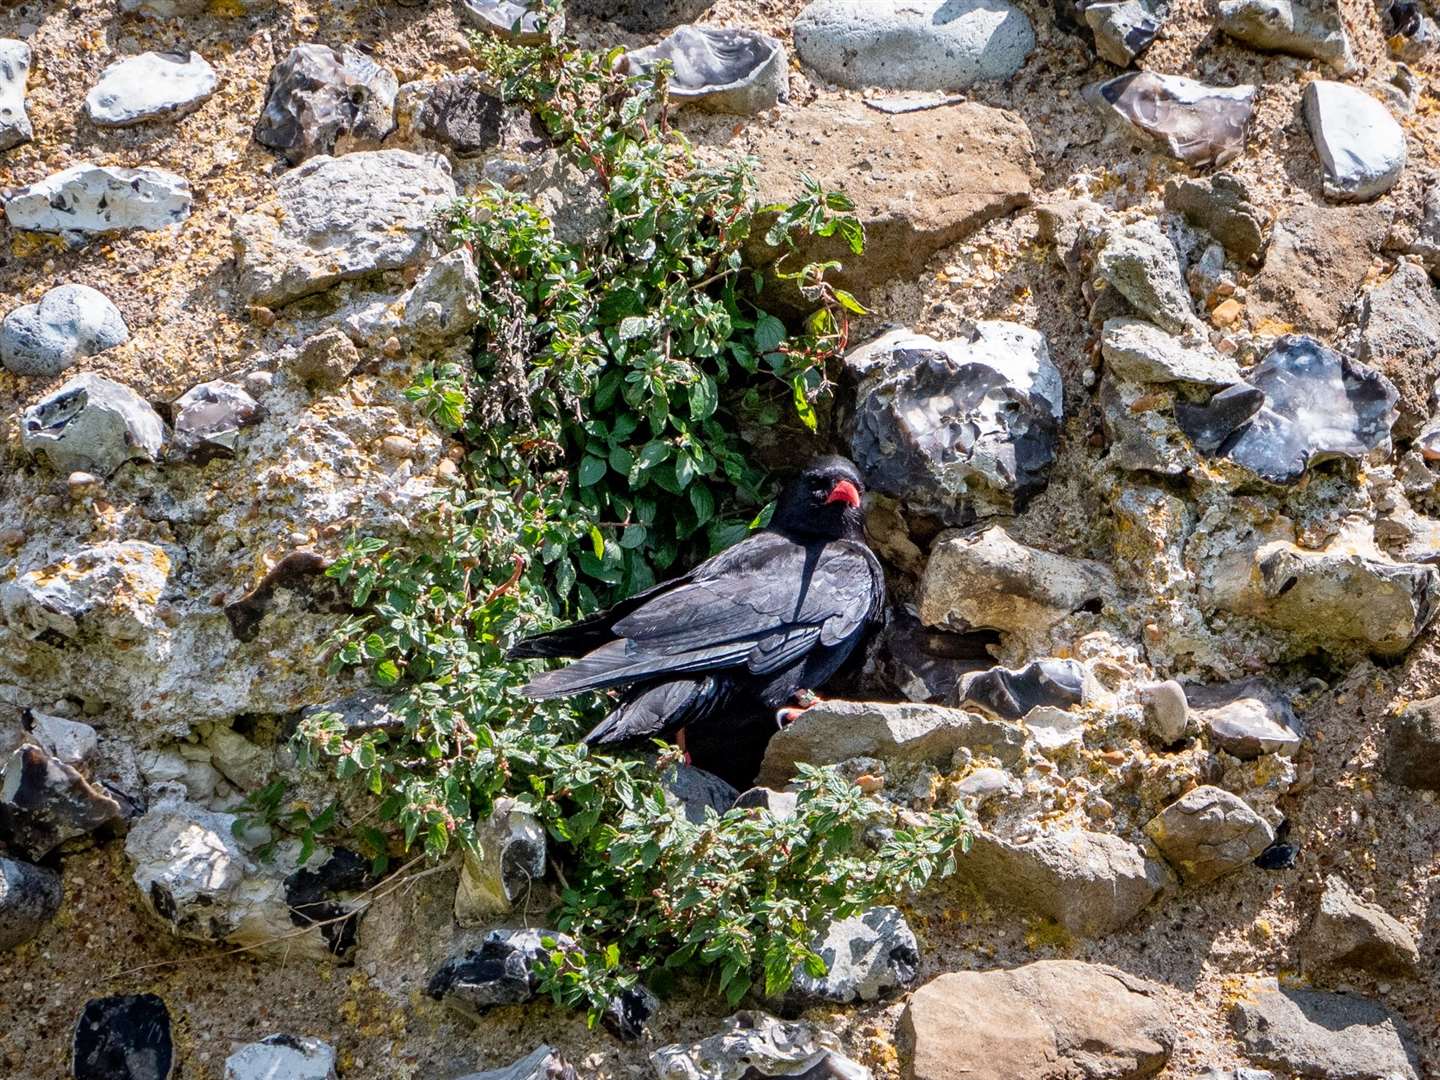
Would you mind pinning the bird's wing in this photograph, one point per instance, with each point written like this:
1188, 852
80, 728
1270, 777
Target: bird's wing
767, 607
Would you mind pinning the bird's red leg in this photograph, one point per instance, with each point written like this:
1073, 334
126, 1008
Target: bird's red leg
680, 742
804, 699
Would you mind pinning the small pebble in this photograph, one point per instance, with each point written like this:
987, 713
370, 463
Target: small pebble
397, 446
1227, 312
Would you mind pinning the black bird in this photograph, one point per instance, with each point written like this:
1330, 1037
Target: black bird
747, 633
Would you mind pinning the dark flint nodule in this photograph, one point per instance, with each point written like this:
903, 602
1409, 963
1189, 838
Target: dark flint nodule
317, 896
1010, 695
123, 1038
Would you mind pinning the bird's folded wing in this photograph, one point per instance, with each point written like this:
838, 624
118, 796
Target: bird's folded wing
763, 617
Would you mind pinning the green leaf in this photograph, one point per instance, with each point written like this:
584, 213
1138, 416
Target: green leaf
769, 332
702, 501
591, 470
803, 409
632, 537
704, 398
849, 303
597, 541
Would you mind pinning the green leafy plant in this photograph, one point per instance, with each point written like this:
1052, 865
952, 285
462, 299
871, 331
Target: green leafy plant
599, 420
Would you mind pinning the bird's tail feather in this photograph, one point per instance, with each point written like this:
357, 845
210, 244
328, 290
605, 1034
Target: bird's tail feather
657, 711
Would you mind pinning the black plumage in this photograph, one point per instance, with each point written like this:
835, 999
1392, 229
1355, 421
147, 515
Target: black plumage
725, 646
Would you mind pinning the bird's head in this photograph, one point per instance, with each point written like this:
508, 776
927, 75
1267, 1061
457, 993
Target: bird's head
823, 502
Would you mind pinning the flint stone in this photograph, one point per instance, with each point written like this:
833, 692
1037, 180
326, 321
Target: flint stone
1317, 1034
123, 1038
15, 127
1347, 597
1167, 713
1142, 352
1413, 758
150, 86
282, 1057
208, 419
501, 972
1349, 932
1317, 405
109, 590
91, 200
754, 1046
781, 804
1140, 262
867, 957
1360, 145
1222, 207
315, 99
29, 898
540, 1064
1310, 28
834, 731
510, 860
1409, 33
1400, 337
69, 322
92, 424
71, 741
913, 44
447, 300
1194, 123
1044, 1020
194, 876
513, 20
1010, 694
1208, 832
696, 792
935, 177
1246, 719
340, 219
1091, 884
641, 15
985, 579
719, 69
458, 112
1123, 30
45, 802
1318, 257
963, 427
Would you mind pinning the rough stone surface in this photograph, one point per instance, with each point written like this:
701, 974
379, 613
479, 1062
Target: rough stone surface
696, 792
834, 731
868, 957
208, 419
1400, 337
719, 69
1347, 597
69, 322
959, 428
1348, 932
29, 898
319, 102
150, 86
108, 591
1167, 713
176, 9
1091, 884
335, 219
45, 802
1413, 756
1142, 352
1310, 28
1122, 30
511, 19
510, 861
754, 1046
986, 579
15, 127
1319, 1034
500, 972
1223, 207
1361, 147
641, 15
91, 200
282, 1057
1208, 832
1140, 262
446, 301
458, 113
1197, 124
1044, 1020
1246, 719
925, 192
924, 45
123, 1038
1315, 405
94, 424
1317, 259
542, 1063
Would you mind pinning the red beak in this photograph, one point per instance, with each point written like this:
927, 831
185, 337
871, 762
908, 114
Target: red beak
844, 492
